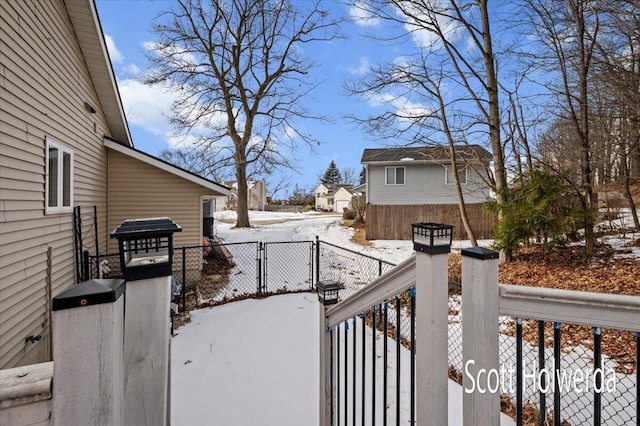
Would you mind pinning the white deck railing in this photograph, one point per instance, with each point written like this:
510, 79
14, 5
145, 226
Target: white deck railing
483, 302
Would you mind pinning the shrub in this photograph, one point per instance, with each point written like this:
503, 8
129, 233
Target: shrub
539, 205
349, 215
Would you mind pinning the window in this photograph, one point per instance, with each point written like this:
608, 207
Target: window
394, 175
59, 178
462, 176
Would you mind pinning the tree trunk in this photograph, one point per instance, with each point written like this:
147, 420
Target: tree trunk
628, 195
463, 208
494, 112
242, 205
583, 128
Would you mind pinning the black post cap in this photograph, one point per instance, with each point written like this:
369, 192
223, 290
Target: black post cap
87, 293
480, 253
148, 227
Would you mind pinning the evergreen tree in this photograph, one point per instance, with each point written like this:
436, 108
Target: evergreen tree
332, 176
363, 175
540, 205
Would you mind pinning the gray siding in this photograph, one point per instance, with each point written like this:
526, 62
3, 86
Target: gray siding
424, 184
44, 83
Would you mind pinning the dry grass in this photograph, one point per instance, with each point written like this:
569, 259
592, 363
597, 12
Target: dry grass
360, 235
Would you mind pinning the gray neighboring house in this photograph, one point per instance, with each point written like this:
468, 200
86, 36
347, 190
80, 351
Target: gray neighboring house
406, 185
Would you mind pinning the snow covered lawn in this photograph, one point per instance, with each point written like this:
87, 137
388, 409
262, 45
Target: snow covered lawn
255, 362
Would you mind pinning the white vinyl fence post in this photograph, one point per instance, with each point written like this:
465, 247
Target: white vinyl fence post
88, 372
480, 310
146, 260
327, 295
432, 309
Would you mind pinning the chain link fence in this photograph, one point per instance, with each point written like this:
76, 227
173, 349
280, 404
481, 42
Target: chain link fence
224, 272
560, 382
350, 269
571, 350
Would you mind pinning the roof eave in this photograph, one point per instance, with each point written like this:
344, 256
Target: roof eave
86, 25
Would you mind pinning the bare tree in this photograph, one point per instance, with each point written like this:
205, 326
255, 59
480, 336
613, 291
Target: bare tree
568, 32
419, 85
197, 161
358, 204
617, 84
239, 70
348, 176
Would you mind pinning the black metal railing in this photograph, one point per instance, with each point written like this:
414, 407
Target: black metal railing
375, 383
221, 273
567, 374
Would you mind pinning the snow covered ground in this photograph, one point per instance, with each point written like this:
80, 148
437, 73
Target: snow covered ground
283, 227
305, 227
256, 362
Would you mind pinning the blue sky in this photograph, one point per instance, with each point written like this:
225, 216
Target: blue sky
127, 27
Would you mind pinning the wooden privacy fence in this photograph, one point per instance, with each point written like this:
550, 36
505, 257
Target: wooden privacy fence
392, 222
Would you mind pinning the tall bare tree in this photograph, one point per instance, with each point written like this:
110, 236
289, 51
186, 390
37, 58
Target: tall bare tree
349, 176
568, 32
617, 84
454, 54
238, 66
198, 161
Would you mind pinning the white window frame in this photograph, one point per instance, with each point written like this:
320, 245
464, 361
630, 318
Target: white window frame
404, 175
447, 173
62, 150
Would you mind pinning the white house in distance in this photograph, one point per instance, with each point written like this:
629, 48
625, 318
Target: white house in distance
257, 198
334, 198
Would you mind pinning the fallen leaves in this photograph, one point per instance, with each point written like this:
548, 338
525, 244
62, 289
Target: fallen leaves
568, 268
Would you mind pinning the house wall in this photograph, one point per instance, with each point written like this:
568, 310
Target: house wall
139, 190
257, 196
341, 200
321, 199
393, 222
424, 184
44, 83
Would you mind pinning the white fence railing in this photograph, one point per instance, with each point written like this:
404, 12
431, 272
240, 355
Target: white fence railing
485, 304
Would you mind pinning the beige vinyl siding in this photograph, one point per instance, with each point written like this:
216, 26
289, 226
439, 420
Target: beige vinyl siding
44, 84
138, 190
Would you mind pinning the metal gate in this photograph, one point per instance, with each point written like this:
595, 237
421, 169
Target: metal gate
286, 267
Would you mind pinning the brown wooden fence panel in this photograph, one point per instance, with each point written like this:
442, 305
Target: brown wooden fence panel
394, 222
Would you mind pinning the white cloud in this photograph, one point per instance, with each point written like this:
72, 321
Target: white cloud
290, 133
405, 109
147, 106
361, 14
133, 69
173, 54
362, 69
114, 53
419, 22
